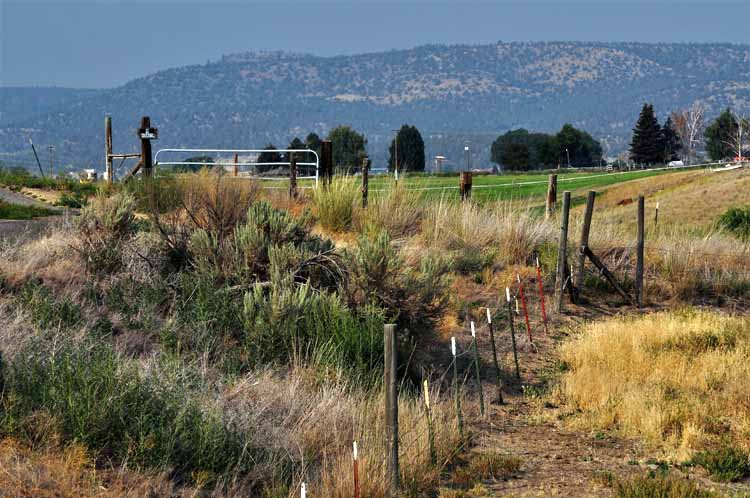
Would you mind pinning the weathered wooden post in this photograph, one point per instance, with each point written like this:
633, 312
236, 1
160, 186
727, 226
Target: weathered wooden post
585, 230
656, 215
562, 252
551, 196
292, 175
108, 148
498, 378
465, 185
236, 164
639, 252
391, 403
326, 161
146, 134
365, 180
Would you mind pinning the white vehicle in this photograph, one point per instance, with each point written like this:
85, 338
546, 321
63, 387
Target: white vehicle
673, 164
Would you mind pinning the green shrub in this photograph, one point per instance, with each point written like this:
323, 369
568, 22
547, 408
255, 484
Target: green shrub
100, 400
74, 200
334, 203
45, 310
104, 226
726, 464
659, 487
10, 211
413, 298
737, 221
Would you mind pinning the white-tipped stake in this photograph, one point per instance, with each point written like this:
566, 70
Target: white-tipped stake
473, 330
489, 316
354, 445
507, 293
518, 277
426, 393
518, 311
303, 491
453, 345
657, 206
537, 261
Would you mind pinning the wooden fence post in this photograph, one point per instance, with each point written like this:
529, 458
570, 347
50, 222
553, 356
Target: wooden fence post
292, 175
145, 133
236, 164
562, 252
108, 148
656, 215
551, 196
578, 277
326, 161
465, 185
391, 403
365, 180
639, 250
498, 378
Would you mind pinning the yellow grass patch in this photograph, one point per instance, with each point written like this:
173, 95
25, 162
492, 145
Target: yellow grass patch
678, 379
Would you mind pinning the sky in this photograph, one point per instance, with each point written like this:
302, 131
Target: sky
99, 44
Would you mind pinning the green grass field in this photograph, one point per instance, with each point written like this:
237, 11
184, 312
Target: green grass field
500, 187
10, 211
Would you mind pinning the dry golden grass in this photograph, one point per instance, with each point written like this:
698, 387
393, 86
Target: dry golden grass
398, 211
316, 420
512, 231
70, 473
677, 379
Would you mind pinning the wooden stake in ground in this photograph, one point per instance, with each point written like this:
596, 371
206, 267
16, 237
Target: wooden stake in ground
356, 470
108, 148
562, 252
292, 175
236, 164
551, 197
457, 391
430, 430
365, 180
639, 252
146, 133
476, 367
525, 309
465, 185
512, 333
498, 379
326, 161
656, 215
541, 294
391, 404
578, 278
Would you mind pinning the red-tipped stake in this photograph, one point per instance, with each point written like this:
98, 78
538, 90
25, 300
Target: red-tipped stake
525, 309
541, 293
356, 470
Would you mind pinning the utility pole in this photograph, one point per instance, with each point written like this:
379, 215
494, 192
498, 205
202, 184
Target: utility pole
36, 157
51, 149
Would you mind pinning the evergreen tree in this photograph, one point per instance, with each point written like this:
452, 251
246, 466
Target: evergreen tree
313, 142
671, 145
721, 135
349, 147
646, 147
270, 155
410, 150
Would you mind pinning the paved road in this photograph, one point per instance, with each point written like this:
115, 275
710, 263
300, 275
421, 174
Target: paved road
13, 230
9, 196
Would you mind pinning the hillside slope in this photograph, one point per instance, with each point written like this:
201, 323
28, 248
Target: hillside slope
452, 93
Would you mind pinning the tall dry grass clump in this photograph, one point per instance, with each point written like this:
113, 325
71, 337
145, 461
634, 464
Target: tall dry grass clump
315, 424
334, 203
467, 226
397, 210
677, 379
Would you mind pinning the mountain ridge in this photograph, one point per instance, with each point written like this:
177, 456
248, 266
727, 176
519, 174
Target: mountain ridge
453, 93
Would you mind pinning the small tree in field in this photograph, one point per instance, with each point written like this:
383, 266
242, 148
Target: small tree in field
688, 124
410, 150
670, 141
269, 155
349, 147
726, 136
646, 147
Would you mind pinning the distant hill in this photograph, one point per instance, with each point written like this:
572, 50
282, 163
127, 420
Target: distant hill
21, 103
451, 93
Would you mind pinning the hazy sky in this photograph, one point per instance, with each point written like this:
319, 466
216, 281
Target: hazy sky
106, 43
